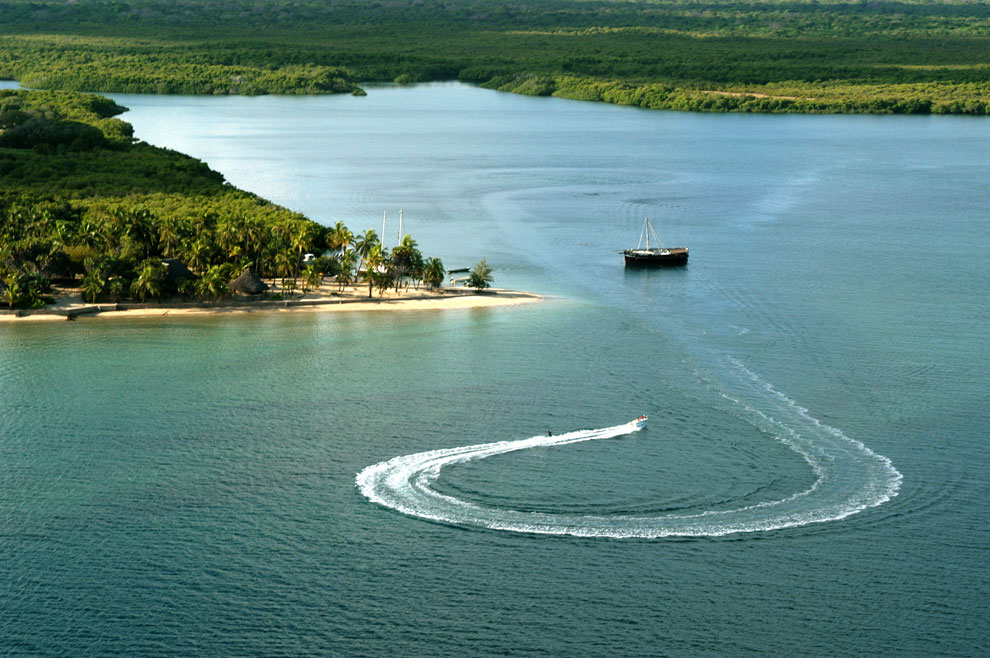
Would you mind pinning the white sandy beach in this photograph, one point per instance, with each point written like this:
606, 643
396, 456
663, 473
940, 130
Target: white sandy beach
69, 304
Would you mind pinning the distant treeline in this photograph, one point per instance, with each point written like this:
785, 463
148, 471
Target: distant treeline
83, 203
761, 55
850, 99
708, 16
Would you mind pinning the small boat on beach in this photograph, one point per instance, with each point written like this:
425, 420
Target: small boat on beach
651, 256
641, 421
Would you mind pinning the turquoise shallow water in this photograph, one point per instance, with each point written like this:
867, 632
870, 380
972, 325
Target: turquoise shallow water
189, 486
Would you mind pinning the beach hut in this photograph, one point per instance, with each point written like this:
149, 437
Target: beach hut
176, 270
248, 283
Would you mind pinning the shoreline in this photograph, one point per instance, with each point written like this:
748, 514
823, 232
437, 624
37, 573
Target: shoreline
70, 306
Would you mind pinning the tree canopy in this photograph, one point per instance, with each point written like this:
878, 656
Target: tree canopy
883, 56
480, 276
82, 202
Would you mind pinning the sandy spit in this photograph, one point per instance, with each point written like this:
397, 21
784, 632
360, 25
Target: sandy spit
328, 299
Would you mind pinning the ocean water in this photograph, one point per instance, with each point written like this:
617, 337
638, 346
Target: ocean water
812, 480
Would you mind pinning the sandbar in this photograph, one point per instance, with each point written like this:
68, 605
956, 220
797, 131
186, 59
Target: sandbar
327, 299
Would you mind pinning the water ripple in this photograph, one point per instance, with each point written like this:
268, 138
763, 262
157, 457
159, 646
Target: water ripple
849, 479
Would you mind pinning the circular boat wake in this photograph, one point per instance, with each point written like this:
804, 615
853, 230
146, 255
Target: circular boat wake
849, 478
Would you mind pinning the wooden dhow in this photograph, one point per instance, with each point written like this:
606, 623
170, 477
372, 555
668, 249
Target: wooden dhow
652, 256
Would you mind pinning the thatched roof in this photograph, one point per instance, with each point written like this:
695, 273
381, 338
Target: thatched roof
176, 270
249, 283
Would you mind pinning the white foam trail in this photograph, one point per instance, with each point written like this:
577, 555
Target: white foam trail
849, 478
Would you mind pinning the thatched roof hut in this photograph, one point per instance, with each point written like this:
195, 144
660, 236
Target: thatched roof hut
248, 283
176, 270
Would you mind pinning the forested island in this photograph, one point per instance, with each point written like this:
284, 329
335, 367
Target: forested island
811, 56
84, 205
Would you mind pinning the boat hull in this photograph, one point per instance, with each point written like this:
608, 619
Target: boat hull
656, 258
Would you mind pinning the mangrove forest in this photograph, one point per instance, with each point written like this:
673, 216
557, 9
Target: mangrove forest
876, 56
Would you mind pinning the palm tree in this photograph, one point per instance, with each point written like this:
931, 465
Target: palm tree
63, 233
339, 237
228, 237
213, 283
434, 272
168, 236
312, 278
416, 268
149, 281
114, 223
301, 238
14, 291
116, 287
347, 261
38, 222
285, 263
481, 276
93, 233
253, 232
383, 280
204, 222
374, 266
404, 258
280, 233
140, 230
364, 244
94, 284
197, 253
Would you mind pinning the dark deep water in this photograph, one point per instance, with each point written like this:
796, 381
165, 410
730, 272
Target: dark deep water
187, 487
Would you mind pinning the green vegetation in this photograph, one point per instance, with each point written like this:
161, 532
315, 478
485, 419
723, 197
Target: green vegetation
882, 56
433, 272
480, 276
83, 204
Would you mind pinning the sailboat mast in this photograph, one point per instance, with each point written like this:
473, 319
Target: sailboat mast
655, 236
649, 229
399, 234
384, 215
